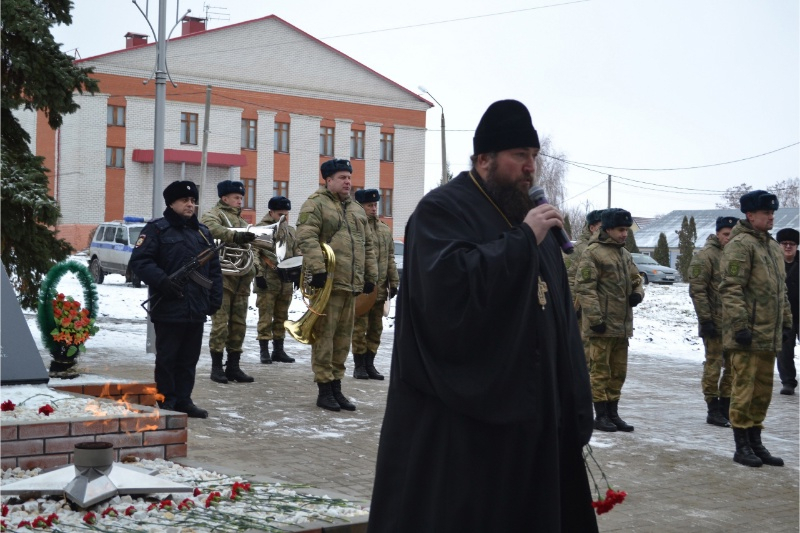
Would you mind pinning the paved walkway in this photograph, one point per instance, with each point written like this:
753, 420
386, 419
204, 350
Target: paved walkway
676, 469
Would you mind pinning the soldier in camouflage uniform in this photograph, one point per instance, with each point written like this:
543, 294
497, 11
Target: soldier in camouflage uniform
608, 286
756, 316
572, 260
367, 328
330, 216
704, 278
274, 293
228, 325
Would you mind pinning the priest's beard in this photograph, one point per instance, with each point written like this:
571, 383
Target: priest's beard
508, 196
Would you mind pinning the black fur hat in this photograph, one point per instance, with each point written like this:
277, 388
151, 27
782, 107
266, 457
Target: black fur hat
366, 196
180, 189
230, 187
788, 234
726, 222
279, 203
594, 217
615, 217
332, 166
758, 200
505, 124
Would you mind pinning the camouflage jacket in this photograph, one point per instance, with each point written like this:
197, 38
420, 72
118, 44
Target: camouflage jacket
753, 290
343, 226
383, 244
704, 278
268, 261
219, 220
606, 277
572, 260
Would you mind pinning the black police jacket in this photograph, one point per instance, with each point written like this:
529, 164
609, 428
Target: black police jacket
164, 246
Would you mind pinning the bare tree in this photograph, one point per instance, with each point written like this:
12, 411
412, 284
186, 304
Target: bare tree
731, 196
550, 174
787, 192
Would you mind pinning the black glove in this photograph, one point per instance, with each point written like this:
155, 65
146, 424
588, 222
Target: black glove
318, 280
170, 289
369, 287
635, 299
599, 328
708, 329
243, 237
392, 292
261, 282
787, 334
744, 337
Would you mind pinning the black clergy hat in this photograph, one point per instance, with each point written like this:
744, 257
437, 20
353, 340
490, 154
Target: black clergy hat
505, 124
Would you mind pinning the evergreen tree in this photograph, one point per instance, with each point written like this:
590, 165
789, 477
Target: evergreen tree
630, 243
685, 248
661, 253
37, 76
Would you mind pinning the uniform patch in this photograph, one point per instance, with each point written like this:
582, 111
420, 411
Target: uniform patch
733, 268
695, 271
139, 241
302, 218
586, 273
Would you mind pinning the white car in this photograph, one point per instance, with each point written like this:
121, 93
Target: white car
111, 247
398, 256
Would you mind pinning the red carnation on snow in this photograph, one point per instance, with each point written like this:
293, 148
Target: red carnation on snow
7, 405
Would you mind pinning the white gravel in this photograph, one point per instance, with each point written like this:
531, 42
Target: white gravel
28, 399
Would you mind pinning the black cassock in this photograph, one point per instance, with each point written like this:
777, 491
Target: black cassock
489, 402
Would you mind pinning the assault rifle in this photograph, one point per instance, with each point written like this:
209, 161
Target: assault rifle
188, 272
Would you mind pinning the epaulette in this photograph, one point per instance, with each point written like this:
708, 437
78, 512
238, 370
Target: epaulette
161, 224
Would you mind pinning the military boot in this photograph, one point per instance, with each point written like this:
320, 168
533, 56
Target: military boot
344, 403
217, 372
615, 419
326, 399
263, 346
191, 410
715, 416
278, 355
754, 436
372, 372
725, 408
232, 370
744, 453
359, 372
601, 421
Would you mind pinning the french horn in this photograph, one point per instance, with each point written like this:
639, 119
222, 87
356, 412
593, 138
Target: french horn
238, 259
315, 299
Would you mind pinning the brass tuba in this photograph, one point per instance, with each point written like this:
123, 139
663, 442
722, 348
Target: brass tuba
237, 260
316, 300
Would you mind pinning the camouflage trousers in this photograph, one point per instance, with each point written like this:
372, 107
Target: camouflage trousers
717, 363
333, 332
752, 387
608, 367
367, 330
273, 310
228, 325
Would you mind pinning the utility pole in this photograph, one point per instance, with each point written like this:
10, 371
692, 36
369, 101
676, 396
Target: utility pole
609, 191
204, 156
445, 177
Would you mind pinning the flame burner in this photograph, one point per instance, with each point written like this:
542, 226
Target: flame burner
95, 477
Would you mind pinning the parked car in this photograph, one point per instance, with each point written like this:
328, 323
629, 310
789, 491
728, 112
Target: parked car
398, 256
111, 247
653, 272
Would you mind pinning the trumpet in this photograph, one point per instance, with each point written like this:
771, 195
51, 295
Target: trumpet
316, 300
237, 260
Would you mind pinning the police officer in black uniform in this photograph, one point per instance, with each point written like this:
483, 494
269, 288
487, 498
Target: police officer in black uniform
178, 312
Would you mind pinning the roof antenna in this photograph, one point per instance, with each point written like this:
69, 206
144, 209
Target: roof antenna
217, 15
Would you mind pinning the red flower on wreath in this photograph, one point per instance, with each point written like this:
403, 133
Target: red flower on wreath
46, 410
7, 405
73, 324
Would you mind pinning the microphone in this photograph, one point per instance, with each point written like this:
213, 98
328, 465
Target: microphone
536, 195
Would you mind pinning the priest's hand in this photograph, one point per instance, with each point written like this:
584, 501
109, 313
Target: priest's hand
542, 219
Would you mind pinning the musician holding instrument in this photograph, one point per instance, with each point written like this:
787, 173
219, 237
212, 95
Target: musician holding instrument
228, 325
368, 327
273, 286
332, 230
165, 245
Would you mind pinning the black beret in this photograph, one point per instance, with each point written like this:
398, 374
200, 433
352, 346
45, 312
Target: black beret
726, 222
230, 187
279, 203
332, 166
758, 201
367, 196
505, 124
788, 234
614, 217
180, 189
594, 217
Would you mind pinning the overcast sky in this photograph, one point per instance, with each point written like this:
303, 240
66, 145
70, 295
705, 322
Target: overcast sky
633, 84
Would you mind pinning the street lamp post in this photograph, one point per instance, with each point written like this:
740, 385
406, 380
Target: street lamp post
444, 145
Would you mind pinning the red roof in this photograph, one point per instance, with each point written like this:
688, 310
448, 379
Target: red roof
192, 157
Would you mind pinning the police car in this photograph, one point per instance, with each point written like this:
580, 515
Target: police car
111, 247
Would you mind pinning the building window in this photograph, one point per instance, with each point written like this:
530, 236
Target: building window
115, 115
115, 157
385, 203
280, 188
249, 193
326, 141
249, 134
281, 137
356, 144
188, 128
387, 147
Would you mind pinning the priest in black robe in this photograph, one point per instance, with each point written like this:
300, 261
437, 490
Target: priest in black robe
489, 403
